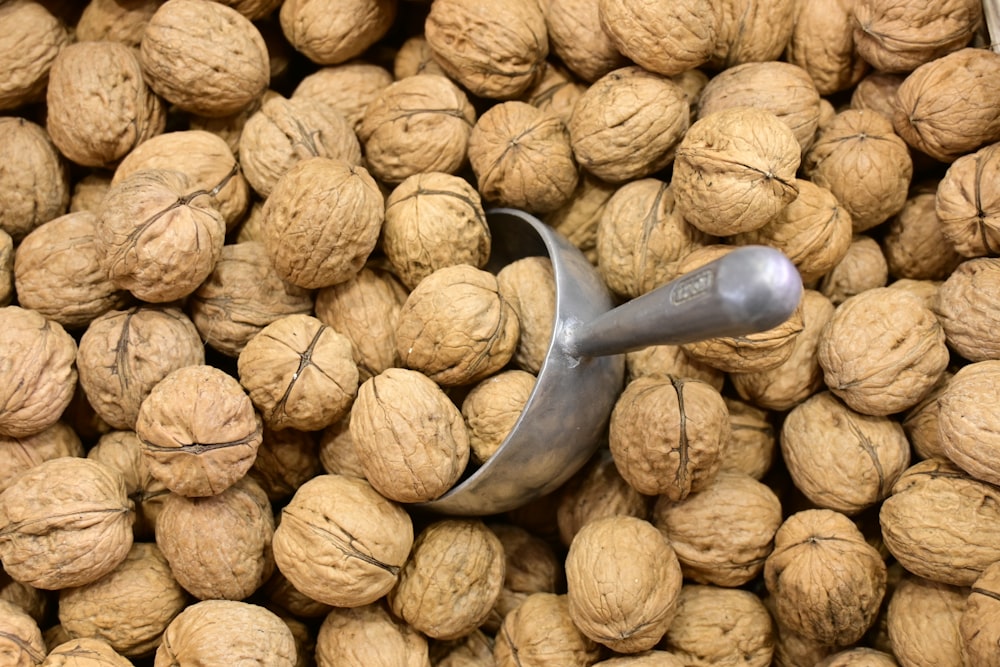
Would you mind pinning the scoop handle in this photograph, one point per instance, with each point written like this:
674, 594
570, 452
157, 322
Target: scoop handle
751, 289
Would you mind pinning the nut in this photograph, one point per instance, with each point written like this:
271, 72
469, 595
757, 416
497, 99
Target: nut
967, 203
22, 454
861, 268
921, 422
368, 635
529, 286
663, 38
877, 92
122, 451
978, 625
347, 88
966, 307
530, 566
577, 39
752, 441
923, 620
859, 657
822, 43
337, 453
541, 632
915, 243
329, 32
115, 21
967, 427
30, 45
578, 219
492, 407
35, 185
414, 57
670, 360
751, 31
556, 92
286, 460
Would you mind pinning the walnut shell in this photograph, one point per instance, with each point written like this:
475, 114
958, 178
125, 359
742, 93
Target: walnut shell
530, 566
950, 106
456, 326
663, 38
492, 407
751, 31
859, 158
116, 21
451, 580
89, 191
21, 643
752, 442
735, 171
30, 44
826, 581
979, 627
84, 652
822, 43
667, 435
541, 632
623, 581
669, 360
99, 107
347, 88
58, 273
882, 351
841, 459
159, 236
321, 222
130, 607
286, 460
495, 51
644, 659
410, 437
578, 219
859, 657
253, 9
433, 220
861, 268
214, 631
419, 124
627, 124
877, 92
66, 522
218, 547
337, 453
229, 128
23, 453
556, 92
923, 623
242, 295
329, 32
965, 305
722, 533
122, 451
365, 308
6, 268
915, 244
579, 41
285, 132
414, 57
340, 542
522, 157
941, 524
204, 57
529, 286
199, 431
967, 426
921, 423
124, 354
705, 631
473, 650
39, 375
369, 635
642, 237
895, 38
35, 183
280, 592
967, 203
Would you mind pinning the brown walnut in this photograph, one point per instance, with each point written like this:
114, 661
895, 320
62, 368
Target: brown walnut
35, 183
576, 37
529, 286
915, 244
29, 46
862, 267
122, 450
666, 38
347, 88
822, 43
329, 32
492, 407
967, 203
923, 622
967, 310
20, 454
369, 635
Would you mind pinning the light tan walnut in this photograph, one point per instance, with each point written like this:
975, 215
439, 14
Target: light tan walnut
822, 43
862, 267
23, 453
967, 203
329, 32
670, 360
915, 244
578, 219
539, 632
752, 442
531, 565
577, 38
116, 21
923, 623
347, 88
35, 183
966, 307
415, 57
666, 38
492, 407
556, 92
369, 635
970, 435
30, 45
751, 31
529, 285
122, 450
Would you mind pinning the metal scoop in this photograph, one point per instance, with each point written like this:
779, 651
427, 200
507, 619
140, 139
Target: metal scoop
751, 289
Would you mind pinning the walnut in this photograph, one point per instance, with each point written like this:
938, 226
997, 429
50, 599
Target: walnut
6, 268
793, 650
799, 376
418, 124
130, 607
941, 524
966, 303
58, 273
578, 219
579, 41
39, 376
35, 183
116, 21
966, 424
644, 659
822, 43
642, 237
921, 422
30, 44
529, 286
56, 635
199, 431
864, 164
214, 631
414, 57
596, 492
410, 437
329, 32
859, 657
204, 57
30, 599
751, 31
897, 39
978, 624
492, 407
827, 112
122, 451
663, 38
433, 220
925, 290
735, 171
530, 566
669, 360
923, 621
967, 203
473, 650
286, 460
125, 353
541, 632
21, 642
949, 106
322, 221
718, 625
826, 581
451, 580
340, 542
495, 52
623, 581
915, 245
253, 9
280, 592
65, 522
85, 652
159, 235
627, 124
337, 453
556, 93
229, 128
722, 533
369, 635
861, 268
242, 295
218, 547
679, 450
285, 132
877, 92
752, 442
347, 88
841, 459
882, 351
365, 308
456, 327
304, 637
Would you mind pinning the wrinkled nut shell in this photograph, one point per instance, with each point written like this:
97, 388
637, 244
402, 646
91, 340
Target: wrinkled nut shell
333, 31
966, 305
492, 407
861, 268
751, 31
923, 622
667, 38
347, 88
969, 429
22, 454
967, 203
369, 635
29, 45
822, 43
541, 631
84, 652
576, 37
199, 431
122, 451
915, 245
35, 184
21, 642
979, 627
529, 285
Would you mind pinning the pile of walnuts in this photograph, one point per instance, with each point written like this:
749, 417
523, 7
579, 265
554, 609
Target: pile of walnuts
247, 326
